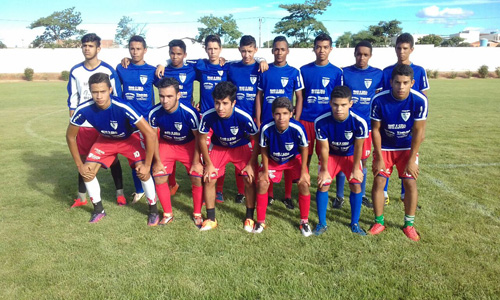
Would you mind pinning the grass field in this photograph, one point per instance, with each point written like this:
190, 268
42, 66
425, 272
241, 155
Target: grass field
50, 252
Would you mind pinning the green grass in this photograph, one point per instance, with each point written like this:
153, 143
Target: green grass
50, 252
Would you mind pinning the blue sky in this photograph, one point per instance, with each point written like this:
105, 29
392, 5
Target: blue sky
166, 20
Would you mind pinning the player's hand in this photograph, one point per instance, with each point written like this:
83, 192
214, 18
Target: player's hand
324, 178
196, 169
357, 174
304, 178
86, 172
197, 106
378, 166
142, 171
222, 61
264, 176
160, 71
125, 62
263, 66
158, 168
210, 173
248, 169
412, 169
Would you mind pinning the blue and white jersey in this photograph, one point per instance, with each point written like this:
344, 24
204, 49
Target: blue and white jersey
364, 84
78, 84
115, 122
397, 118
209, 75
186, 76
245, 77
283, 146
419, 74
231, 132
176, 127
340, 134
278, 82
319, 82
138, 91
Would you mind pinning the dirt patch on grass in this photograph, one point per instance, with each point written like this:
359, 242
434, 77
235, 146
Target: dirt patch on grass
36, 76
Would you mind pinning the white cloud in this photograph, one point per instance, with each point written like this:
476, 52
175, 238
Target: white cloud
448, 17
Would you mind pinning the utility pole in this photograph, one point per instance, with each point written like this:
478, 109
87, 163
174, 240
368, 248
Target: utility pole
260, 26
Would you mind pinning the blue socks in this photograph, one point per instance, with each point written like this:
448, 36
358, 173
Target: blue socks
339, 182
137, 182
321, 205
355, 201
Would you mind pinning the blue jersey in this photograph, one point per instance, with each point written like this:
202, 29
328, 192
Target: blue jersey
319, 82
364, 84
138, 91
115, 122
397, 118
419, 74
245, 77
209, 75
231, 132
176, 127
340, 134
186, 76
283, 146
278, 82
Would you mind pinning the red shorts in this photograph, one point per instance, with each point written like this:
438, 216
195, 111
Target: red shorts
104, 150
276, 170
221, 156
398, 158
344, 164
367, 146
171, 153
85, 138
311, 137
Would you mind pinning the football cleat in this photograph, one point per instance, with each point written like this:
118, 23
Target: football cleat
338, 202
320, 229
411, 233
198, 220
166, 219
356, 229
153, 219
173, 189
219, 197
137, 197
79, 202
305, 229
248, 225
96, 217
376, 229
288, 203
386, 201
208, 225
366, 202
270, 200
239, 198
121, 200
259, 227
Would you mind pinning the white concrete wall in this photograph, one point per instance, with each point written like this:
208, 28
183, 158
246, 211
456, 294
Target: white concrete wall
442, 59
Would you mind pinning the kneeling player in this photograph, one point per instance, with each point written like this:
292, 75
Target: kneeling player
230, 144
178, 125
115, 122
398, 125
341, 134
284, 146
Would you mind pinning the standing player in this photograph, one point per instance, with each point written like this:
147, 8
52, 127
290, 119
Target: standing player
79, 92
232, 128
341, 134
281, 80
398, 125
364, 81
283, 143
138, 79
404, 47
178, 123
115, 122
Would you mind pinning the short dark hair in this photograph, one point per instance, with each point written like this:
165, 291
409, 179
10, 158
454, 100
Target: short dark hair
402, 70
166, 82
280, 38
341, 91
405, 38
137, 38
212, 38
363, 43
91, 38
248, 40
282, 102
223, 90
323, 37
177, 43
99, 78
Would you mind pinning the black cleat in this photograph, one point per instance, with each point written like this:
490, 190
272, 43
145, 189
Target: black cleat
239, 198
338, 202
366, 202
288, 203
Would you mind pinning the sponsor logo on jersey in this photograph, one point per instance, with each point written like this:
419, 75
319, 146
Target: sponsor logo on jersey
405, 114
208, 85
240, 96
311, 99
129, 96
289, 146
271, 174
284, 81
178, 126
325, 81
113, 124
182, 77
234, 129
368, 82
348, 134
144, 79
220, 73
253, 79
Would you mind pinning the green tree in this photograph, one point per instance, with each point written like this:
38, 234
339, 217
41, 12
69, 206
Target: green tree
126, 29
301, 23
60, 26
384, 31
452, 42
365, 35
2, 45
430, 39
225, 27
344, 41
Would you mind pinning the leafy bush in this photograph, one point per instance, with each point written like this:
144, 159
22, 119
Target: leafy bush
453, 75
497, 71
468, 74
435, 74
28, 74
65, 75
483, 71
429, 72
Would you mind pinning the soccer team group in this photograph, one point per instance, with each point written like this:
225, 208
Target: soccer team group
246, 109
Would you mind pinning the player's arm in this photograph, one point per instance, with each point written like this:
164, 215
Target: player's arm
209, 166
324, 177
73, 95
258, 107
264, 175
263, 65
151, 139
418, 132
304, 171
196, 166
356, 166
299, 104
378, 162
160, 71
71, 134
125, 62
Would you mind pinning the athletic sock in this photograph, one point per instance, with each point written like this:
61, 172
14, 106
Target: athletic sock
82, 196
98, 207
240, 184
119, 192
249, 214
94, 190
211, 213
363, 184
379, 219
355, 201
116, 172
171, 179
81, 185
197, 198
322, 205
304, 205
149, 189
163, 192
220, 184
137, 182
153, 209
339, 183
385, 187
409, 220
288, 184
261, 207
402, 190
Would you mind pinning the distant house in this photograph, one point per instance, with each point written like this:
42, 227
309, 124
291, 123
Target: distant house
469, 36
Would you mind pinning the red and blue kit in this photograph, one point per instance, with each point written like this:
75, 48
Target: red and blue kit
186, 76
245, 77
209, 75
419, 74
